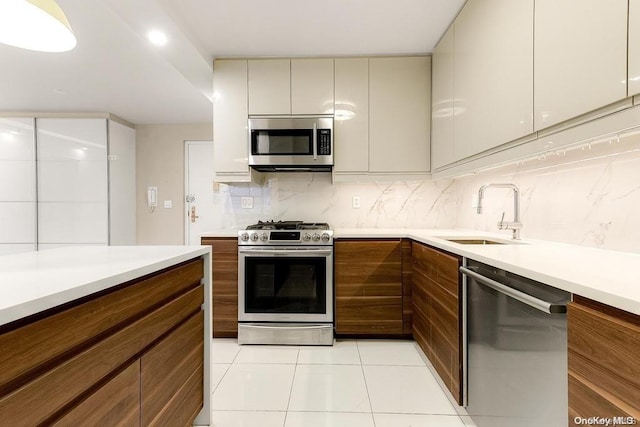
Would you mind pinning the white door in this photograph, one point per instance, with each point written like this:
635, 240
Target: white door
198, 204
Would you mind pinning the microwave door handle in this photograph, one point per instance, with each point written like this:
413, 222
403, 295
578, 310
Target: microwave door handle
315, 141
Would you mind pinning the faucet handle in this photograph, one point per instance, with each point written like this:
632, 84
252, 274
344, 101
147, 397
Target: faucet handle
501, 224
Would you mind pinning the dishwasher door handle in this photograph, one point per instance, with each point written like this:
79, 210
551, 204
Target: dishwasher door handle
524, 298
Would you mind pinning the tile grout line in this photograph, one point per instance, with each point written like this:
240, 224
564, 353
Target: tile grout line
293, 379
366, 387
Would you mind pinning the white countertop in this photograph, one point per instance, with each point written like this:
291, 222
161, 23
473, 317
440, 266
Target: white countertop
36, 281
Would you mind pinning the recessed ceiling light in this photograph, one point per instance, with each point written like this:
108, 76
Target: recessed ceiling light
157, 37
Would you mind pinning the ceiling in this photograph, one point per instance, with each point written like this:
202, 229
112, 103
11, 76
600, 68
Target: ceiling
115, 69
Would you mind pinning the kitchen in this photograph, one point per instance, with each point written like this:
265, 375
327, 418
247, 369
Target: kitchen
575, 172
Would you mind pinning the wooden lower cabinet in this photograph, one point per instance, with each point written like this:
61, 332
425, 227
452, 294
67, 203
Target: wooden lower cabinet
84, 363
604, 361
369, 287
224, 269
437, 308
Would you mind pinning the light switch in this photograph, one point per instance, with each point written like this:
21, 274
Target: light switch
168, 204
355, 202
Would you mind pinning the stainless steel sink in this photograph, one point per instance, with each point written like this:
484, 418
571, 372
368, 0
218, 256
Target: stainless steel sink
479, 240
476, 242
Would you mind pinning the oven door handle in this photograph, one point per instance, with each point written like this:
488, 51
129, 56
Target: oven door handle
286, 252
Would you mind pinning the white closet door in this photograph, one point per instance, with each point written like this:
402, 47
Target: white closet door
72, 182
17, 186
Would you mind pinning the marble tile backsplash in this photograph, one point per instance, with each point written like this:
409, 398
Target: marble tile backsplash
587, 196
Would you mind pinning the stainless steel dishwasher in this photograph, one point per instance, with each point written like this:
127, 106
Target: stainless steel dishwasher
516, 349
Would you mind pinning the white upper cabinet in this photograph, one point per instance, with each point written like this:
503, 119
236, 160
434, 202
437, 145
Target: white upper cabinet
580, 57
230, 140
443, 104
634, 47
269, 86
399, 114
312, 86
351, 124
493, 56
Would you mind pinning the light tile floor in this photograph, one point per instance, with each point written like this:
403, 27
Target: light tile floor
355, 383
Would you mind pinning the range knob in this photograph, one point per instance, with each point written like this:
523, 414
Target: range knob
316, 237
254, 237
244, 237
306, 237
264, 237
326, 237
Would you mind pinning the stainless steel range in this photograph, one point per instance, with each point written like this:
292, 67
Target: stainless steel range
285, 283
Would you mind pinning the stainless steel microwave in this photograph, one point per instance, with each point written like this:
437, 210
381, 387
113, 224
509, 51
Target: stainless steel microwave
291, 143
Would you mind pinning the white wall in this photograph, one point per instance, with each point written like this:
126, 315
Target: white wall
160, 162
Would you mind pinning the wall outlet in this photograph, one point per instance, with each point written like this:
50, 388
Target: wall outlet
247, 203
168, 204
355, 202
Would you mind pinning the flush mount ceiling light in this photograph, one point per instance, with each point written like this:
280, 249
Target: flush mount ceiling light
35, 25
157, 37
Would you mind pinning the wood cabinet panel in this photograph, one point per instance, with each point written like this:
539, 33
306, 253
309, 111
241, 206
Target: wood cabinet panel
375, 315
369, 287
225, 285
35, 402
167, 367
115, 404
312, 86
29, 350
437, 320
184, 405
604, 360
407, 304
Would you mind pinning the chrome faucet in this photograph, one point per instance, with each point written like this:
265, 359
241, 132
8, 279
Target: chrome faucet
514, 225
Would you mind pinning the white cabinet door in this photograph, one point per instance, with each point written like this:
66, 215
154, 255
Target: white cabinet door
580, 57
230, 138
351, 124
634, 47
399, 114
72, 181
17, 185
312, 86
493, 74
443, 104
269, 86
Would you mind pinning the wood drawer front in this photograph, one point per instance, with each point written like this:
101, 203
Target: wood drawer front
184, 405
369, 315
440, 267
117, 403
35, 402
225, 315
368, 268
604, 357
35, 347
167, 367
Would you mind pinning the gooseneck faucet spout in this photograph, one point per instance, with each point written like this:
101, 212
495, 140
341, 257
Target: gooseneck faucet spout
514, 225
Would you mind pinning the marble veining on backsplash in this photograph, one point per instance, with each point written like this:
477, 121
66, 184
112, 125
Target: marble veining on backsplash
585, 198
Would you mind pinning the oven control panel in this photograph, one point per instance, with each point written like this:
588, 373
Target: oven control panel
285, 237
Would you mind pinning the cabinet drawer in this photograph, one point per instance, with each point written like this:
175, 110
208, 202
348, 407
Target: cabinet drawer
369, 315
604, 359
167, 367
116, 403
34, 402
31, 349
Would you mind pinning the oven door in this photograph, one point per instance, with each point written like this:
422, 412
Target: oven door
285, 284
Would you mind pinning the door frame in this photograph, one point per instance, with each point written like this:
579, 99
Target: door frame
185, 204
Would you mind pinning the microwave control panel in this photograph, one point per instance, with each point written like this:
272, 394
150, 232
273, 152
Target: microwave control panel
324, 141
